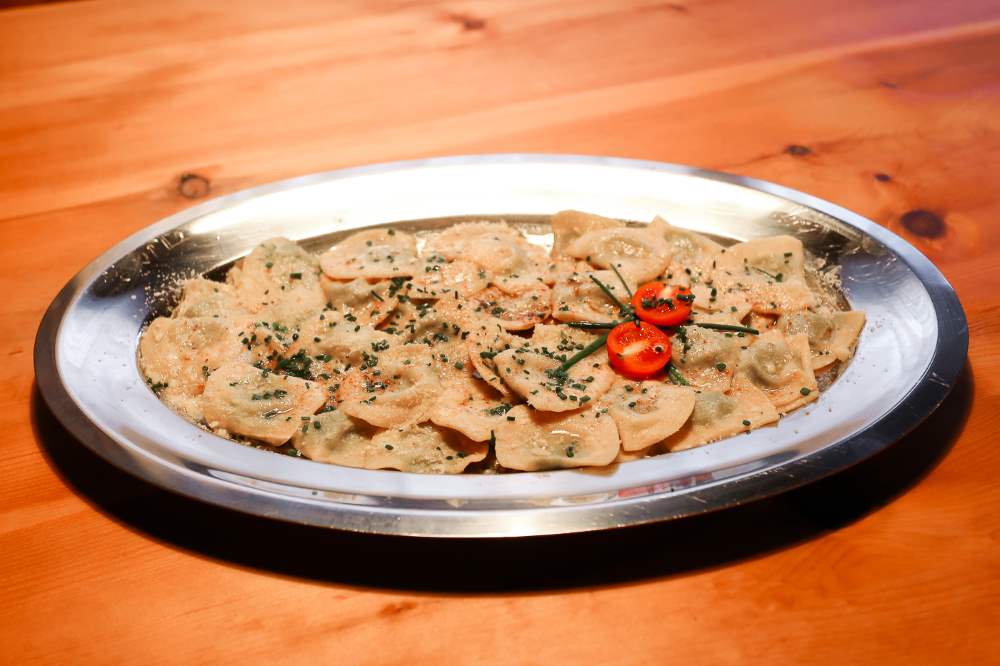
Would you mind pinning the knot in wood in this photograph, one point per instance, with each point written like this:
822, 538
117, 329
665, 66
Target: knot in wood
193, 186
469, 22
924, 223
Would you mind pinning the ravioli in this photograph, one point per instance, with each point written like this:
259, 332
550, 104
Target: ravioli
706, 358
648, 412
336, 438
577, 297
391, 390
487, 339
177, 356
831, 334
514, 312
691, 255
244, 400
440, 278
443, 328
469, 406
429, 353
530, 440
766, 272
367, 302
718, 415
710, 300
278, 281
639, 254
207, 298
424, 449
532, 370
568, 225
501, 251
782, 368
343, 340
374, 253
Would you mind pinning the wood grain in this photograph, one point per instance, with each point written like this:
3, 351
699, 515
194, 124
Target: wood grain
114, 114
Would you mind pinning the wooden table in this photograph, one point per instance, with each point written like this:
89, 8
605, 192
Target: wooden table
115, 114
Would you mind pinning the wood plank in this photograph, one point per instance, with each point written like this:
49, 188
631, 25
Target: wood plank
890, 109
332, 80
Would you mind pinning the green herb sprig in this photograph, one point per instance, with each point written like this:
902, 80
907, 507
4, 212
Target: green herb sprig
675, 376
726, 327
583, 353
592, 325
624, 283
625, 310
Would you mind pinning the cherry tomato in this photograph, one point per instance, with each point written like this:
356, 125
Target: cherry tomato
662, 305
637, 349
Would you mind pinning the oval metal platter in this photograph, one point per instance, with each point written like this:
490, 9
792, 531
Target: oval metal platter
909, 355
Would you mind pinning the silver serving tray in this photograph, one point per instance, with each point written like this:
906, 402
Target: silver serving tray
909, 355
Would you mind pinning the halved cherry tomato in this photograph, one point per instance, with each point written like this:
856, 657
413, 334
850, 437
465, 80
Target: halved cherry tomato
637, 349
662, 305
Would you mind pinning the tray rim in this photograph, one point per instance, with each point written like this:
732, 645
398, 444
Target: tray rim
196, 481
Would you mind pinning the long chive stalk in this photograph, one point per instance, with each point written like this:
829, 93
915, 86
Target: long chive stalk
610, 295
588, 325
776, 277
675, 376
584, 353
622, 280
727, 327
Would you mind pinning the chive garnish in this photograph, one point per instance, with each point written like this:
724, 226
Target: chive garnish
622, 280
675, 376
592, 324
777, 277
583, 353
607, 292
727, 327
